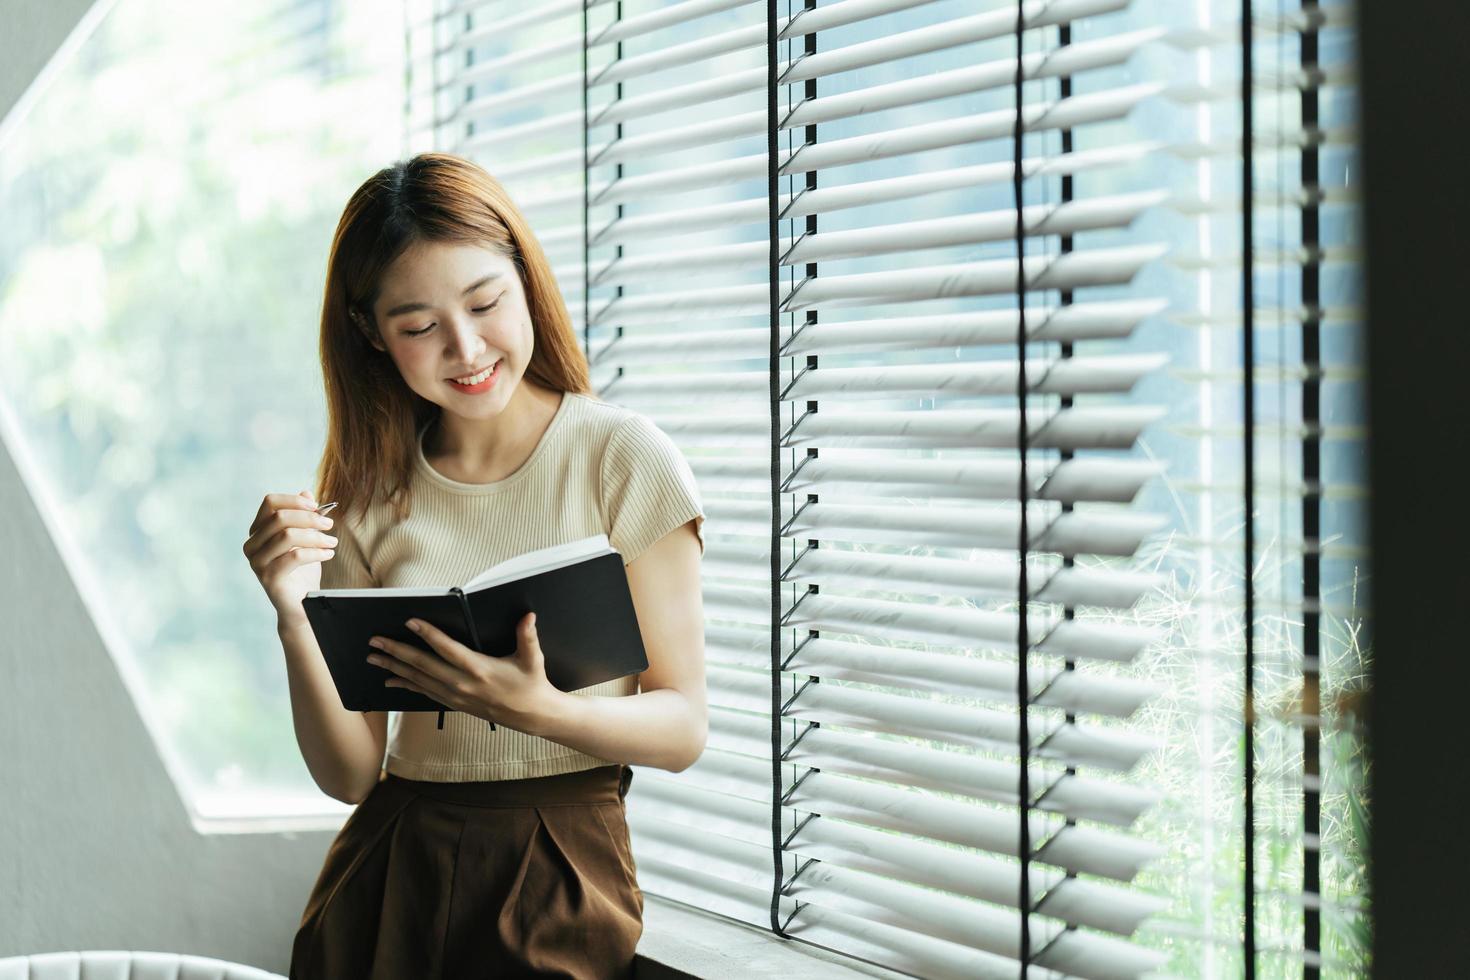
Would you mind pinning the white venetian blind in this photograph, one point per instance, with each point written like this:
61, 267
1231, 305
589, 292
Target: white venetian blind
861, 789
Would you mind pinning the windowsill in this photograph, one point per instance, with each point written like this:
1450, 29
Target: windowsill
681, 941
266, 812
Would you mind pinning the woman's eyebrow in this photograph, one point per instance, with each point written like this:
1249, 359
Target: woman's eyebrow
415, 307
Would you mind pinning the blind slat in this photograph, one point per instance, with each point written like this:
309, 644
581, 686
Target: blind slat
1072, 428
990, 478
1104, 52
1081, 321
675, 221
909, 764
887, 901
1082, 692
1074, 270
1077, 848
936, 37
1077, 111
690, 811
1118, 532
847, 570
1116, 373
1068, 743
1065, 219
954, 625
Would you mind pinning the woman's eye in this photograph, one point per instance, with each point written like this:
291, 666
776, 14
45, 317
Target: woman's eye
476, 309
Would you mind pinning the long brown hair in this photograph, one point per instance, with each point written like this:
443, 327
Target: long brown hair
373, 417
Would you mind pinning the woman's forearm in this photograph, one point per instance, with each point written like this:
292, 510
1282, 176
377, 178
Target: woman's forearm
340, 749
659, 728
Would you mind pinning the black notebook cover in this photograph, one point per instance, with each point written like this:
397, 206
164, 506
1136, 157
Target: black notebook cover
584, 618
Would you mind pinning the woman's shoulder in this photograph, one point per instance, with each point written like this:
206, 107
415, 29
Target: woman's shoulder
623, 438
600, 421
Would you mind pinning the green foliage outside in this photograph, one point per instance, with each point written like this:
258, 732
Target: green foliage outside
169, 206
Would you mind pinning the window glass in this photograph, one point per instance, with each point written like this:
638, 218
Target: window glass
169, 203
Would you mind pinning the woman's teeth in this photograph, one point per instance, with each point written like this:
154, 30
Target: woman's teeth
475, 379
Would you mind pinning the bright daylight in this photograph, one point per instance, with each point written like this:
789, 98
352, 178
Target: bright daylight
704, 488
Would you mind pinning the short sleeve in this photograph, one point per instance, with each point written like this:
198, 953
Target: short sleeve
348, 567
648, 488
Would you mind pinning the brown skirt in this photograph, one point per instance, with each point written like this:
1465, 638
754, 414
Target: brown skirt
504, 878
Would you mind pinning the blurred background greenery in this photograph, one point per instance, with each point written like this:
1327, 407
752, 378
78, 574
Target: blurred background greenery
169, 205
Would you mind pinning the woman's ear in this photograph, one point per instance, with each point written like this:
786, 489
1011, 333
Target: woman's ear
368, 331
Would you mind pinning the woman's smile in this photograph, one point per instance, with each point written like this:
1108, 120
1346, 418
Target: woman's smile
483, 381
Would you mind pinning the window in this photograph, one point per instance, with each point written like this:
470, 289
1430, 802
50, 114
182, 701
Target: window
152, 226
816, 296
161, 265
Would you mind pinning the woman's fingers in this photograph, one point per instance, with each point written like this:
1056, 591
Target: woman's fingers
276, 502
400, 682
295, 537
290, 521
388, 657
286, 540
298, 556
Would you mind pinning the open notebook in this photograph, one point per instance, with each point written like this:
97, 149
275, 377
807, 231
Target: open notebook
578, 591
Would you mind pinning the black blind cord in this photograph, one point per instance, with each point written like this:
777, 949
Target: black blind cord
1023, 642
1248, 360
586, 207
774, 299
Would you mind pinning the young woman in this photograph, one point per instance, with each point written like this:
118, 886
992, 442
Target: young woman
461, 432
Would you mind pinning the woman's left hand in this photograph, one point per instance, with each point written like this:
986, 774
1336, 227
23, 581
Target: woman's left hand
512, 690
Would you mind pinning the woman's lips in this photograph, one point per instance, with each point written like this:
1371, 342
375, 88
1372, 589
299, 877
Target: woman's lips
483, 386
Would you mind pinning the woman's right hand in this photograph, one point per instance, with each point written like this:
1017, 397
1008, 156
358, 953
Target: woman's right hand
286, 548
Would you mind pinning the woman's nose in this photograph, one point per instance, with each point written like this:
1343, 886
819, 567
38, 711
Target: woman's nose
465, 341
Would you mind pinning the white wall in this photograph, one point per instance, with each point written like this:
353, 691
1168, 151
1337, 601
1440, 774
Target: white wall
30, 33
96, 848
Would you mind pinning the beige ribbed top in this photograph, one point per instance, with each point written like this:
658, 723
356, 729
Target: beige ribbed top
598, 469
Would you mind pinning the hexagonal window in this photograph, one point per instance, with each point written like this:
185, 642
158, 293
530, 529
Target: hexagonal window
170, 192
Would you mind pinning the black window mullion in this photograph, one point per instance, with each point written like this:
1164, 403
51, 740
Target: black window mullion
1248, 366
1311, 504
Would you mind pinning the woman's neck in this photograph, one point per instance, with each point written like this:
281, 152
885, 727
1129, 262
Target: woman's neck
488, 450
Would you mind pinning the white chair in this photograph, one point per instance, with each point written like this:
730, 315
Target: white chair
126, 965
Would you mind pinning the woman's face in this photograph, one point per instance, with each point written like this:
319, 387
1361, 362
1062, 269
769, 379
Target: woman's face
449, 311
